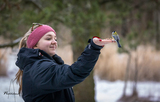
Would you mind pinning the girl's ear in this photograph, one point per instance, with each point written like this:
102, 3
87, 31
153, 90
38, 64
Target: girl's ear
35, 47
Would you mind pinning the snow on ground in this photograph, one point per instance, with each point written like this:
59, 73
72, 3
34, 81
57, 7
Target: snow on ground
4, 87
6, 83
105, 91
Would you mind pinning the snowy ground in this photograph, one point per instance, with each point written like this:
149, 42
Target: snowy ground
4, 87
106, 91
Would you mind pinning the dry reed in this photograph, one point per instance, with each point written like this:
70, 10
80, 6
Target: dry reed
112, 65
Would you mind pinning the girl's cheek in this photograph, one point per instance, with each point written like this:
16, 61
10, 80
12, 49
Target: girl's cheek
47, 42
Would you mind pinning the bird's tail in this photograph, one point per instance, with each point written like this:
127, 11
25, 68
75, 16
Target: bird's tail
118, 44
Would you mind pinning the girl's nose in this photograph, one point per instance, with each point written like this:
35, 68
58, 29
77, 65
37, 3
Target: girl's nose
54, 41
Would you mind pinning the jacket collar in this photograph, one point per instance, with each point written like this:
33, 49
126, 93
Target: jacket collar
27, 56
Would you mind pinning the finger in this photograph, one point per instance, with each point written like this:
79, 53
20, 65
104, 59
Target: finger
108, 40
102, 42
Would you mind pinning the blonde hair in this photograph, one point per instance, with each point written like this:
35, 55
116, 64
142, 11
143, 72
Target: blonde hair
23, 43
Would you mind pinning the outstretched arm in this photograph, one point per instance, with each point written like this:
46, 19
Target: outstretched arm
57, 77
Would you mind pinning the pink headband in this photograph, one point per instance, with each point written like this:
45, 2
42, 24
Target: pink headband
37, 34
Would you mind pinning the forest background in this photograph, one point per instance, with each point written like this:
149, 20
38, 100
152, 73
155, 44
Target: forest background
76, 21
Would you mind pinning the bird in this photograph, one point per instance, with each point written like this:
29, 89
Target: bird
116, 38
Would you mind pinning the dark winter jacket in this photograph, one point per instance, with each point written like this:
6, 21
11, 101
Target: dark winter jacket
47, 79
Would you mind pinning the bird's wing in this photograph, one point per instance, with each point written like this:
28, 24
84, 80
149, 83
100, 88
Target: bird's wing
115, 37
118, 37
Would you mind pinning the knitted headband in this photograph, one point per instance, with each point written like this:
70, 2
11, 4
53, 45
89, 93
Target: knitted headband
37, 34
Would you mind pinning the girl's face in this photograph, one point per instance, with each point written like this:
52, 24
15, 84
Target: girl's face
48, 43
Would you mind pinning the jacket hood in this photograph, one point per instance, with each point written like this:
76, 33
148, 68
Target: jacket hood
27, 56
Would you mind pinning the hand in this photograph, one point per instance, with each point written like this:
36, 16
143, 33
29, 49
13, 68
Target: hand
102, 42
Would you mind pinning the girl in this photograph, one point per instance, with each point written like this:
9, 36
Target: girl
42, 75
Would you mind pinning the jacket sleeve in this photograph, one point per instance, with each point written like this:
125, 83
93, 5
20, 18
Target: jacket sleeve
51, 76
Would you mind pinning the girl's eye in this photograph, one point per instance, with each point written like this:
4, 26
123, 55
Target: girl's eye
48, 38
55, 39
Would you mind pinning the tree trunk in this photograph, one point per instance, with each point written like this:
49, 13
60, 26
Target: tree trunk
84, 92
126, 76
135, 77
157, 27
124, 27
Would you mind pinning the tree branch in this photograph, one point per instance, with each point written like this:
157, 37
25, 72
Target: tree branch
12, 44
106, 1
35, 2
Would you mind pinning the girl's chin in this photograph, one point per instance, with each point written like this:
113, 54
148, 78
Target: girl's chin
53, 53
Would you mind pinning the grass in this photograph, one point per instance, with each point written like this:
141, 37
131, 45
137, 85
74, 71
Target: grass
112, 66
